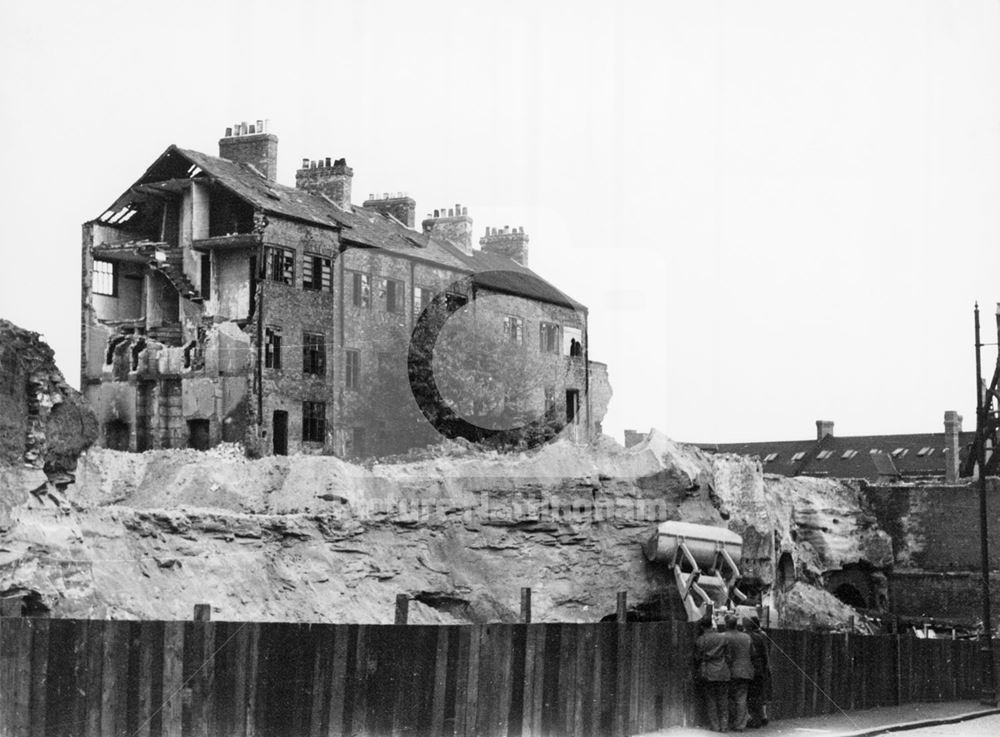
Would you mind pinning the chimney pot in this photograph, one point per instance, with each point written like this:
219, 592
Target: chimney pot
436, 214
451, 212
260, 126
261, 151
824, 428
328, 161
305, 163
253, 129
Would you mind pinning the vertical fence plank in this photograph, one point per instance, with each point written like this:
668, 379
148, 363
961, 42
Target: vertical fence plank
440, 681
338, 678
39, 681
462, 680
173, 678
96, 630
20, 695
537, 681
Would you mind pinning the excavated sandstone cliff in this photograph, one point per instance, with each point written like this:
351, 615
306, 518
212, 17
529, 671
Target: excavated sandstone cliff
318, 539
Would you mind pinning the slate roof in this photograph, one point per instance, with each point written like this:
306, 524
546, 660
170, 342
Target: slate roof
358, 226
919, 455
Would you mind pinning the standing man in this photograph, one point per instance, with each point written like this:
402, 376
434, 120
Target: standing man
712, 669
760, 687
738, 645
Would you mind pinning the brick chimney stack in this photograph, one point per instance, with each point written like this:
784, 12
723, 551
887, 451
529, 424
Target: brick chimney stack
512, 243
952, 430
398, 205
330, 179
824, 428
451, 224
251, 144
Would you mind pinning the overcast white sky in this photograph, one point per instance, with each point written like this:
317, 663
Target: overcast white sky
776, 211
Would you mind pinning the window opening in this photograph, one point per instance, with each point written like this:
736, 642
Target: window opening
314, 354
317, 273
393, 295
548, 337
279, 264
352, 369
272, 348
361, 289
105, 278
513, 329
314, 421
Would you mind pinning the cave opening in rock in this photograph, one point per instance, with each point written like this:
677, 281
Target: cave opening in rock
785, 576
850, 595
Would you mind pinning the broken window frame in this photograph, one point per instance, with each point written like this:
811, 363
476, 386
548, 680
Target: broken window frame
513, 329
549, 337
313, 263
272, 348
279, 265
313, 422
314, 354
361, 288
102, 279
352, 368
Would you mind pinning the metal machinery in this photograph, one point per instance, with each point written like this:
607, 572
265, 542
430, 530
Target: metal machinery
705, 560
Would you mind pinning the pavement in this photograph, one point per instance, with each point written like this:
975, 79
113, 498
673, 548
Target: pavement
865, 723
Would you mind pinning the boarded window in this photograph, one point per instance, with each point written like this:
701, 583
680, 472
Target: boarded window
394, 300
352, 369
279, 264
105, 278
272, 348
513, 329
317, 273
548, 338
314, 421
361, 289
313, 354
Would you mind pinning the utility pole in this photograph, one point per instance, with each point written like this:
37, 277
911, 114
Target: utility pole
988, 695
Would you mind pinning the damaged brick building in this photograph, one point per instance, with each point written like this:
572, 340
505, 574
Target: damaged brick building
220, 306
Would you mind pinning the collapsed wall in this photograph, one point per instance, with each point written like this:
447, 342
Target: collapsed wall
44, 423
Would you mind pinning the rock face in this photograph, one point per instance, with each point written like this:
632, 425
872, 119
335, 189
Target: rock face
44, 423
318, 539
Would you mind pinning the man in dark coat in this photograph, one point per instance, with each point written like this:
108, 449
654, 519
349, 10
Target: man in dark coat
760, 687
738, 646
713, 671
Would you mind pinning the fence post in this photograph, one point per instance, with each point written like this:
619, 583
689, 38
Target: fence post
526, 605
402, 608
202, 612
622, 607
